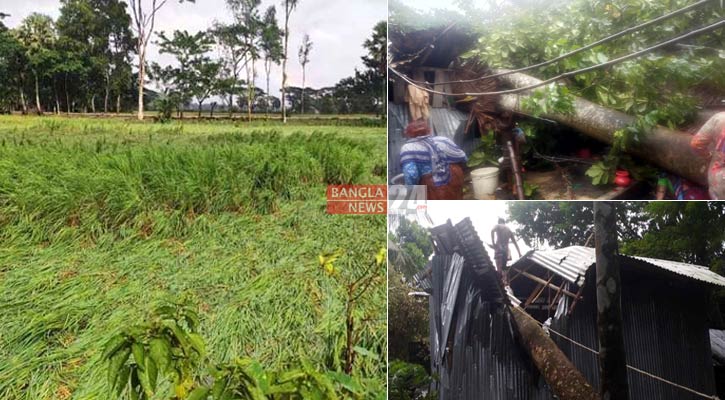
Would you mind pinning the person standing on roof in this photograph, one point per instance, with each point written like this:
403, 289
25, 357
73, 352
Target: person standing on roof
501, 235
433, 161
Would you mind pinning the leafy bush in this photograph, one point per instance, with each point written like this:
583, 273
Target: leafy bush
408, 382
161, 358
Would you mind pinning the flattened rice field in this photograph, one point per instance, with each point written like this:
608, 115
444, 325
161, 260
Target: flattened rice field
102, 219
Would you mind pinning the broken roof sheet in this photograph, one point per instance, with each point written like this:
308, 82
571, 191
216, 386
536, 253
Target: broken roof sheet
572, 263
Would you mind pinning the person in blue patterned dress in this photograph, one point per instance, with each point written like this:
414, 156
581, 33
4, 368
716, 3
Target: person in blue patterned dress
434, 161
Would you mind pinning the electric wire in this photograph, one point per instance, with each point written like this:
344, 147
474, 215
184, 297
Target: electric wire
696, 32
581, 49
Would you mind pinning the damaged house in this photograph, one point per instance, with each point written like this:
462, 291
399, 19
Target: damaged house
477, 346
431, 58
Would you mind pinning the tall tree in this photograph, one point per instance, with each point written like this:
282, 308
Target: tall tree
144, 19
687, 231
409, 248
564, 223
271, 45
304, 55
120, 48
233, 50
377, 61
95, 40
13, 64
246, 15
206, 74
289, 6
37, 33
190, 51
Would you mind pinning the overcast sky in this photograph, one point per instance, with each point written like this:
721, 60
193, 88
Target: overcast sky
336, 28
484, 214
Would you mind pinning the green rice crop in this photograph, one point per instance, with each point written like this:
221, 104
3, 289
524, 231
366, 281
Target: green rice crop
101, 219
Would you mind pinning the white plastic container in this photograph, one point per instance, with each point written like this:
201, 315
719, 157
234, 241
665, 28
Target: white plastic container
485, 181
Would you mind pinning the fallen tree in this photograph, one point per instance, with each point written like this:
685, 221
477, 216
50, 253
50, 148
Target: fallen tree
564, 379
666, 148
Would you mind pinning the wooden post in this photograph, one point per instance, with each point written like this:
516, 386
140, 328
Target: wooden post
612, 357
516, 171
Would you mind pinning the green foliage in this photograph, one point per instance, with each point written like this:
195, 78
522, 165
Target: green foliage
530, 190
682, 231
101, 219
660, 88
143, 356
486, 153
408, 382
659, 81
410, 316
167, 347
553, 98
601, 173
165, 106
561, 224
687, 231
411, 247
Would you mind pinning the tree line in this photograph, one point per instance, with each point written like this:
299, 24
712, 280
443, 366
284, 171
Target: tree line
93, 58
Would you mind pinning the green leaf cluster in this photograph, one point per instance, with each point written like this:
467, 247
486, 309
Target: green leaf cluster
666, 81
552, 99
167, 347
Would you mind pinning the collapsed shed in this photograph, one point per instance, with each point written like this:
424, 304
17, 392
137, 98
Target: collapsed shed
477, 351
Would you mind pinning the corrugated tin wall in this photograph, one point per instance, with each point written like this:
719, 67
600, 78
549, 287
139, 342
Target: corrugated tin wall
398, 117
666, 334
451, 123
480, 359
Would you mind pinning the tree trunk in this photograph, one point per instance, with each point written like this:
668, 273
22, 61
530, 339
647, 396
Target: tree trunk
612, 357
663, 147
118, 103
200, 106
250, 89
141, 73
563, 378
39, 110
55, 96
107, 94
93, 104
23, 102
303, 90
67, 97
284, 60
211, 110
267, 70
231, 105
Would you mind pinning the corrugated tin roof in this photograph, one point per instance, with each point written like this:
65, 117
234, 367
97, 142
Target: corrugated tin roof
572, 263
717, 344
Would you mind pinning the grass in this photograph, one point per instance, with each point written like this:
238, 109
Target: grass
101, 219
